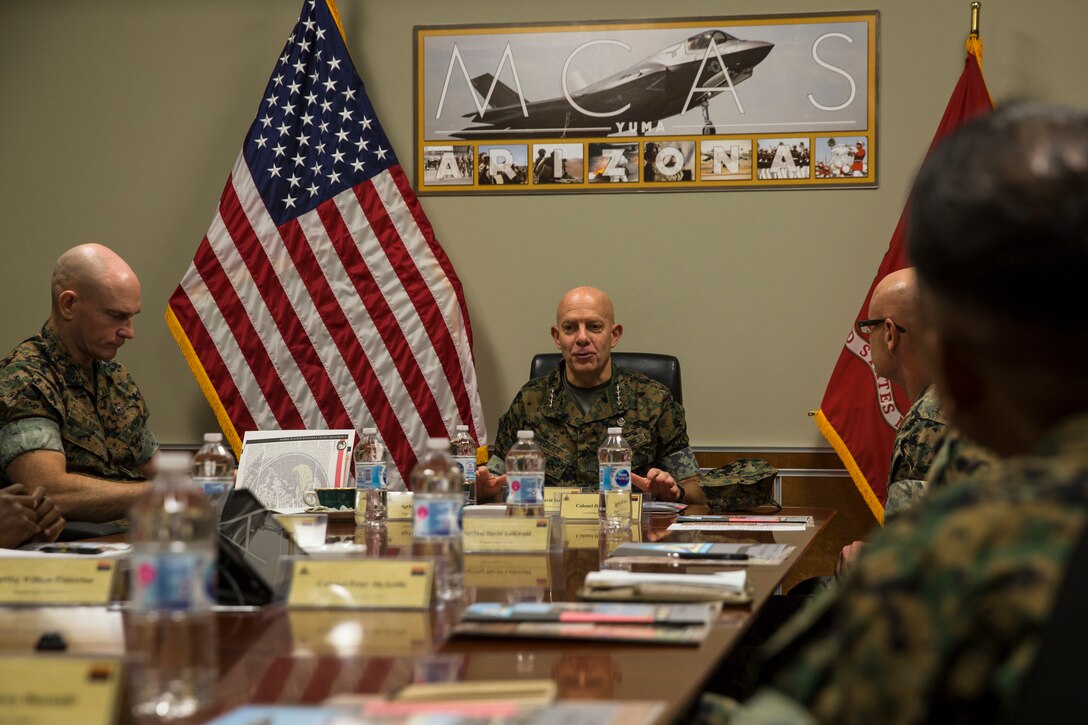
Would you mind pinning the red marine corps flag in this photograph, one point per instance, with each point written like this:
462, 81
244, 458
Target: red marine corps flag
319, 297
860, 410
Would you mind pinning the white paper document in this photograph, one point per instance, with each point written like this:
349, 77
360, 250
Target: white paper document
280, 466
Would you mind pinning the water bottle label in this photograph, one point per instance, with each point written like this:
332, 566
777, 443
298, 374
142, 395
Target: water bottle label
173, 582
437, 517
214, 487
370, 475
467, 465
525, 488
615, 478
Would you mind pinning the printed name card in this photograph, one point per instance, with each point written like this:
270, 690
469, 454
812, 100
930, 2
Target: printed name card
361, 583
398, 505
503, 572
506, 534
56, 580
45, 689
586, 536
399, 533
388, 633
586, 506
553, 497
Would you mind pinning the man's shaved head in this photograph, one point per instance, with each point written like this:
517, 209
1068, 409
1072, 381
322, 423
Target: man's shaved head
586, 297
896, 296
85, 268
95, 295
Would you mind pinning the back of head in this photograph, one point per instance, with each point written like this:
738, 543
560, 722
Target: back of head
998, 231
999, 217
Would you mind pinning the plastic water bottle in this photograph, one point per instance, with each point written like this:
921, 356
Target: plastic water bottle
614, 459
437, 503
213, 471
524, 477
463, 450
371, 463
172, 529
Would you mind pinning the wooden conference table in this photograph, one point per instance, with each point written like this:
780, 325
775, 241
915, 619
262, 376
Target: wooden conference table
291, 656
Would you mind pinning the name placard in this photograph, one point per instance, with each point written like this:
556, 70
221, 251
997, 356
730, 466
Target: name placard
46, 689
361, 583
553, 497
587, 506
60, 580
398, 505
506, 534
494, 571
581, 536
383, 633
399, 533
588, 536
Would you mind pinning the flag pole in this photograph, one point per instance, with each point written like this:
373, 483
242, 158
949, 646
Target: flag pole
974, 42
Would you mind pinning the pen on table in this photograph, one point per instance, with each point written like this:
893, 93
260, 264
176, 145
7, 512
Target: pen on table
697, 555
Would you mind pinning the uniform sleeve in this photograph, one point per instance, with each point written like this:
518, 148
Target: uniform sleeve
509, 424
149, 447
27, 435
674, 451
30, 411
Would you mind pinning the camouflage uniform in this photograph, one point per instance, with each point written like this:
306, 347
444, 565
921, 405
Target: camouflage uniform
928, 454
49, 402
920, 434
653, 425
941, 617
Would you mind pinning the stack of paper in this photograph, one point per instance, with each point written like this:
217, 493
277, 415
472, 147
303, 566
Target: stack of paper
657, 623
728, 586
691, 553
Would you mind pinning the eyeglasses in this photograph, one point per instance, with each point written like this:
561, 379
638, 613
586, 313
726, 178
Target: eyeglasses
866, 327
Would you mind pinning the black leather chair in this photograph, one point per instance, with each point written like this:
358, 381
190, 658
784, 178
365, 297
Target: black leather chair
665, 369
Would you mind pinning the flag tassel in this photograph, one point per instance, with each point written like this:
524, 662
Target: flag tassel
832, 436
204, 382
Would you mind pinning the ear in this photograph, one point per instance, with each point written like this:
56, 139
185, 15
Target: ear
891, 335
617, 333
555, 337
66, 300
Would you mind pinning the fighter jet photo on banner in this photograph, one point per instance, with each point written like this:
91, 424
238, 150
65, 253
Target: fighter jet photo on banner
651, 105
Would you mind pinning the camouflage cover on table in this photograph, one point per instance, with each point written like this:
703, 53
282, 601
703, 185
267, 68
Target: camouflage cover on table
742, 485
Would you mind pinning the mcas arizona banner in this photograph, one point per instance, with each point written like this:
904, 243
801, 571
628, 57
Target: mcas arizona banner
708, 103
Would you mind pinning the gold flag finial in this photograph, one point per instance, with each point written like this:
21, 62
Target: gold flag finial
974, 43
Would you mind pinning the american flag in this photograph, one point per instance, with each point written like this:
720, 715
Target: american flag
319, 297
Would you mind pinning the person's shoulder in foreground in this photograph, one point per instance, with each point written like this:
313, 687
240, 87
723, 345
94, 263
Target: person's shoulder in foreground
941, 617
71, 417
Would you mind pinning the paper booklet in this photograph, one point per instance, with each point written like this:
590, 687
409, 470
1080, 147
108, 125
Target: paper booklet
702, 553
279, 466
730, 587
633, 622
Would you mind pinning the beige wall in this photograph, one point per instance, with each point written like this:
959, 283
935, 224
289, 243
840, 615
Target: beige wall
121, 120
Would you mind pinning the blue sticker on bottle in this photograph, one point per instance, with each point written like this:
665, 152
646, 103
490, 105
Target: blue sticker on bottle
524, 488
173, 582
615, 478
370, 475
467, 466
439, 518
